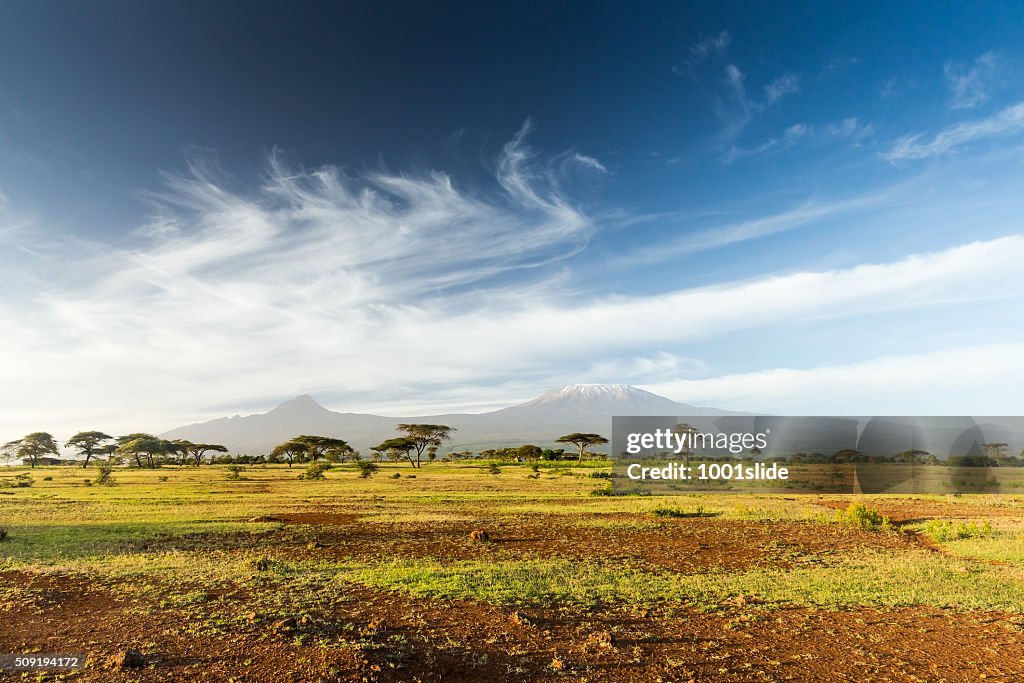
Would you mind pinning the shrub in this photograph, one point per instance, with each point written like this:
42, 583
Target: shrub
3, 534
234, 472
23, 481
47, 478
396, 475
860, 516
946, 530
316, 470
493, 469
367, 469
103, 475
600, 475
679, 512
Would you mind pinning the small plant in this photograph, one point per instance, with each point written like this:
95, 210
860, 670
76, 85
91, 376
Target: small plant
316, 470
23, 481
396, 475
493, 469
234, 472
699, 511
162, 478
3, 534
600, 475
946, 530
47, 478
367, 469
860, 516
103, 475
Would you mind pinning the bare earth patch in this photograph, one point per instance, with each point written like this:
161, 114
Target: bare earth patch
376, 636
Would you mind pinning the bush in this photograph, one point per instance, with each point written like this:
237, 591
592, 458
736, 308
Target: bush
47, 478
23, 481
493, 469
600, 475
946, 530
860, 516
699, 511
3, 534
367, 469
396, 475
234, 472
103, 475
316, 470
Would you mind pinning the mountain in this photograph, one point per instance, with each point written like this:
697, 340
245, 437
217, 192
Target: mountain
574, 408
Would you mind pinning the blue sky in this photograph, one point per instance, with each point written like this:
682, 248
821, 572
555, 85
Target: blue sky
206, 209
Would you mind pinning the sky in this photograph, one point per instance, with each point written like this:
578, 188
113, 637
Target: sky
401, 208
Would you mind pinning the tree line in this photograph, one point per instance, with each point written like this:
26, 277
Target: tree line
144, 449
415, 443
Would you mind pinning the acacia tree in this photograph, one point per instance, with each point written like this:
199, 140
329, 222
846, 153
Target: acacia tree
138, 445
32, 447
529, 452
582, 441
424, 436
88, 444
196, 451
687, 431
323, 446
996, 451
291, 451
400, 445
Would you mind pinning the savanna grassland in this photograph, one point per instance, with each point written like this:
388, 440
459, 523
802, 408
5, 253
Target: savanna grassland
269, 577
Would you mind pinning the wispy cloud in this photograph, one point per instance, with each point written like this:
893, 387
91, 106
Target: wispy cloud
789, 137
384, 286
736, 108
590, 162
970, 85
851, 130
709, 47
786, 84
695, 240
1009, 121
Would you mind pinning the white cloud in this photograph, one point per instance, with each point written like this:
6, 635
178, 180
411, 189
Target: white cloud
969, 380
590, 162
850, 128
789, 137
1009, 121
391, 287
970, 84
709, 47
786, 84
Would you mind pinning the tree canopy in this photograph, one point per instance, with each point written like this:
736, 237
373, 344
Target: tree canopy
582, 441
399, 445
32, 447
423, 436
324, 447
88, 444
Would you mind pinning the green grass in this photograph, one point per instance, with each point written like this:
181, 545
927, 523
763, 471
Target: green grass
917, 578
182, 543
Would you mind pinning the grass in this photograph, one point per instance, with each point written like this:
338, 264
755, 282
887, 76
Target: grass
917, 578
178, 538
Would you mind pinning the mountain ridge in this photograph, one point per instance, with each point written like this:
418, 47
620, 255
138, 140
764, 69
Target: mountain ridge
572, 408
